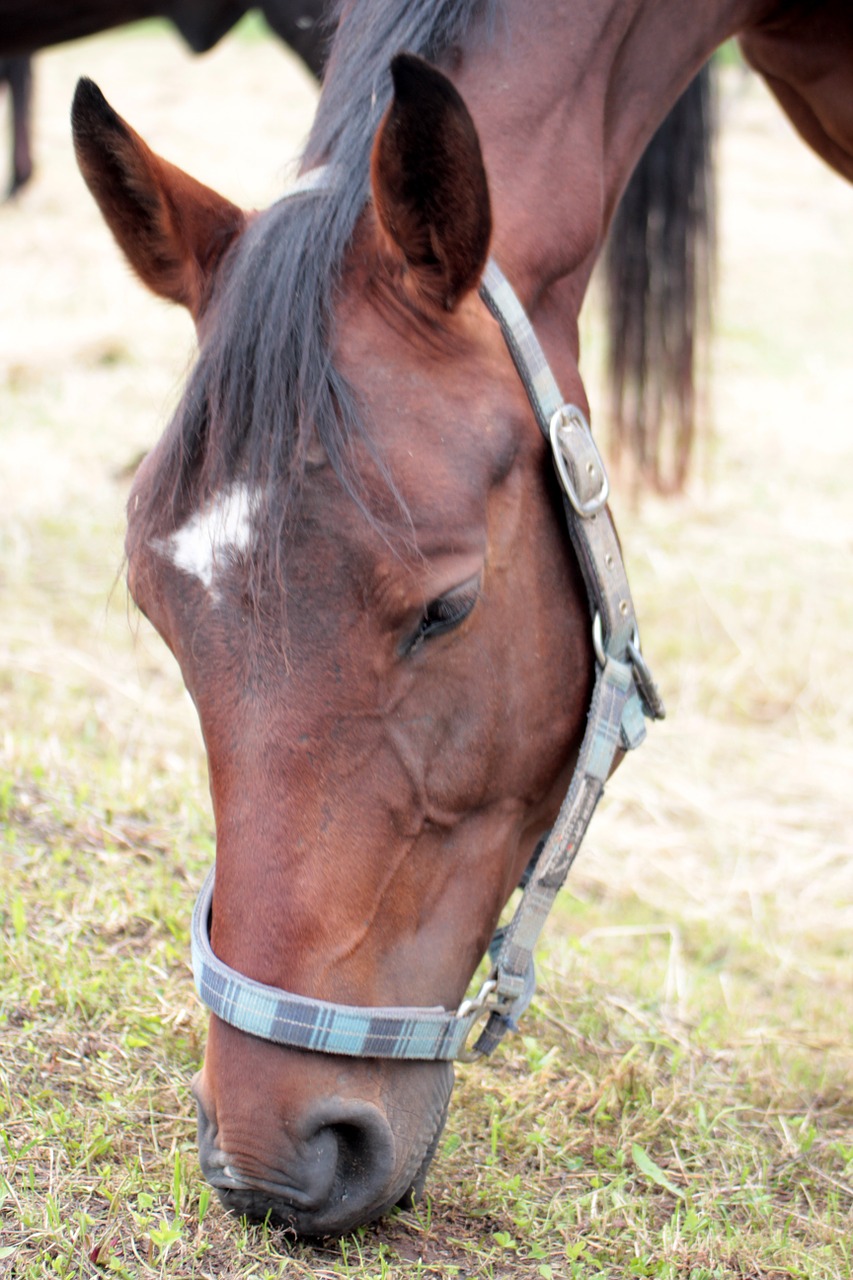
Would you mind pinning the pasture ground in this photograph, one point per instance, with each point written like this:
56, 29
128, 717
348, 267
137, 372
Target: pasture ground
679, 1104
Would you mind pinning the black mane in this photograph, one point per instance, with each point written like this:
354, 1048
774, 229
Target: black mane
264, 385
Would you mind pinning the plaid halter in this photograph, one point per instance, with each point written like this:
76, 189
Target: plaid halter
624, 694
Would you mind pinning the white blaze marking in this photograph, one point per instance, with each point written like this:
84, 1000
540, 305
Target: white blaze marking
215, 535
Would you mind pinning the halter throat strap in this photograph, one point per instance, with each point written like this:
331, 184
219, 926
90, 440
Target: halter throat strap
623, 694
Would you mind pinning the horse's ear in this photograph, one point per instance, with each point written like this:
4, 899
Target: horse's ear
429, 184
172, 230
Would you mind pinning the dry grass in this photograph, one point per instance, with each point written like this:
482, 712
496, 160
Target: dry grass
679, 1105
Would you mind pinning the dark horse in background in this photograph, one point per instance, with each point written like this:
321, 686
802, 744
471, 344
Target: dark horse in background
29, 25
351, 536
659, 260
17, 73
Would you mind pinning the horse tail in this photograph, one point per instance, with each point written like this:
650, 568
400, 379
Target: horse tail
659, 274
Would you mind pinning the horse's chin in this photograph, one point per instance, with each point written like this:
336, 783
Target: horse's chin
347, 1175
415, 1190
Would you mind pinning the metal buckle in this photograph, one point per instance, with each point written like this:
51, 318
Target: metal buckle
566, 419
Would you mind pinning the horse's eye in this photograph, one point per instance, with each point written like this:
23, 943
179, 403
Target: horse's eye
444, 613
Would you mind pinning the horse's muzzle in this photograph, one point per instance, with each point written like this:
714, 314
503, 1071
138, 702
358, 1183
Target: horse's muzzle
346, 1169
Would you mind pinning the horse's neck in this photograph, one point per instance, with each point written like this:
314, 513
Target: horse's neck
564, 104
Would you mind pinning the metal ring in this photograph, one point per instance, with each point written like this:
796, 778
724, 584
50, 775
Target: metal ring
598, 640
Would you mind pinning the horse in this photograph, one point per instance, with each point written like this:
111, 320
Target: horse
659, 284
376, 538
26, 26
17, 73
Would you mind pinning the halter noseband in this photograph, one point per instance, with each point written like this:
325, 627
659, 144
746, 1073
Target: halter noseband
624, 693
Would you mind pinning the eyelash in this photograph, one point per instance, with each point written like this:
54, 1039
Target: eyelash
444, 614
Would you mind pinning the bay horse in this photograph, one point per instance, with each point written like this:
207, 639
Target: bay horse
353, 538
659, 281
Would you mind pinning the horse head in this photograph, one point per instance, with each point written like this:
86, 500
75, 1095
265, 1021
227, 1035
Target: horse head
352, 539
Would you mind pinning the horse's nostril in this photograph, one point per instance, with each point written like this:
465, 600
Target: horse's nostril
353, 1146
342, 1173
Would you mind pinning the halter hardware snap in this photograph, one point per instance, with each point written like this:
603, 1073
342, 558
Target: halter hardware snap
478, 1001
479, 1008
469, 1052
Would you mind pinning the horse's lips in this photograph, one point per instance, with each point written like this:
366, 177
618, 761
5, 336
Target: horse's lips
232, 1180
221, 1172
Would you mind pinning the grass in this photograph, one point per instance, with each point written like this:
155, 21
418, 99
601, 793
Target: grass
615, 1136
679, 1102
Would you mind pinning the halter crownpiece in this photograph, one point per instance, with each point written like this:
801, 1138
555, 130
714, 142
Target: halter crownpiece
623, 695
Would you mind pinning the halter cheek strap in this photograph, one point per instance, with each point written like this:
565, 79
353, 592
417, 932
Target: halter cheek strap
624, 693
